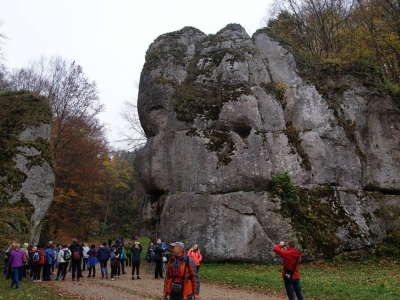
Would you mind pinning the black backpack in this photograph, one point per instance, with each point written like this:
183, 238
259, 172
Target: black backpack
36, 256
67, 255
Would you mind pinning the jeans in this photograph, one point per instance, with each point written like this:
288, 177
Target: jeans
103, 267
122, 263
85, 260
293, 287
17, 274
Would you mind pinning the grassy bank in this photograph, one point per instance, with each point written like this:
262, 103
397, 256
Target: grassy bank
322, 280
29, 290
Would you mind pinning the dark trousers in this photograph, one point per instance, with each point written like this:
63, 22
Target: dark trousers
293, 286
46, 272
129, 259
92, 268
158, 271
36, 271
62, 270
9, 273
135, 266
5, 267
114, 270
122, 266
76, 267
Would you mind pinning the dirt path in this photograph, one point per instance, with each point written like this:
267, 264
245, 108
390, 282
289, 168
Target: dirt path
146, 288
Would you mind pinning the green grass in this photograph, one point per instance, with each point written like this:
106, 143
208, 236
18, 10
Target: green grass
322, 280
29, 290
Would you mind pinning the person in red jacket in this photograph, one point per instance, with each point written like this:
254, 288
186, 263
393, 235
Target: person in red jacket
37, 265
195, 254
291, 259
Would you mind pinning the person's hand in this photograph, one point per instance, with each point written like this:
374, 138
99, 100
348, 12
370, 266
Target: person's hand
282, 243
196, 297
165, 297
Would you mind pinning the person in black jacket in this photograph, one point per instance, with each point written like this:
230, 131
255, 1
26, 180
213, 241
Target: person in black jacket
76, 263
136, 249
158, 251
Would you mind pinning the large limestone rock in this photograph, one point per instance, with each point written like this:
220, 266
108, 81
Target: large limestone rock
27, 177
224, 112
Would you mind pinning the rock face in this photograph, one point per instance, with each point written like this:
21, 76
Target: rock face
27, 177
223, 112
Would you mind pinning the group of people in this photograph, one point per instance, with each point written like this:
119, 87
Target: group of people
180, 269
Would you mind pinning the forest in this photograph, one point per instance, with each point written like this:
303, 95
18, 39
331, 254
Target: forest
355, 37
97, 188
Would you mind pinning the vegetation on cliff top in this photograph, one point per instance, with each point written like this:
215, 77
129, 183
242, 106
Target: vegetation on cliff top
19, 111
336, 38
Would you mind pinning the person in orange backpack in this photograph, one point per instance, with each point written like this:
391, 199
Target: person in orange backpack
181, 279
195, 254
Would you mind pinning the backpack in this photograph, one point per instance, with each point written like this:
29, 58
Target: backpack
36, 256
76, 255
67, 255
122, 256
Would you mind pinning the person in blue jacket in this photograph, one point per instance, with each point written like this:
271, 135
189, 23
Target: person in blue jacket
48, 262
103, 254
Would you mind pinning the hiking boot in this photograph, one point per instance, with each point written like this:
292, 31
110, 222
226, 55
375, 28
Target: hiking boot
78, 279
133, 278
73, 279
139, 277
102, 277
112, 279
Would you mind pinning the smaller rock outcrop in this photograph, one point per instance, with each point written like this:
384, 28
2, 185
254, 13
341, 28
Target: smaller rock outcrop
26, 167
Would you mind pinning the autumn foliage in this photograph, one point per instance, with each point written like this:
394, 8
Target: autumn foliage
339, 32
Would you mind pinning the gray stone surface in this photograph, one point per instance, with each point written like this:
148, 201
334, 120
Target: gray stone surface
38, 187
227, 207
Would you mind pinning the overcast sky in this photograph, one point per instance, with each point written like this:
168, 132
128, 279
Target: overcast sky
109, 38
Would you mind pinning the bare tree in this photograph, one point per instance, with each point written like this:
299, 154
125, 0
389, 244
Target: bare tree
133, 134
3, 70
316, 25
71, 94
